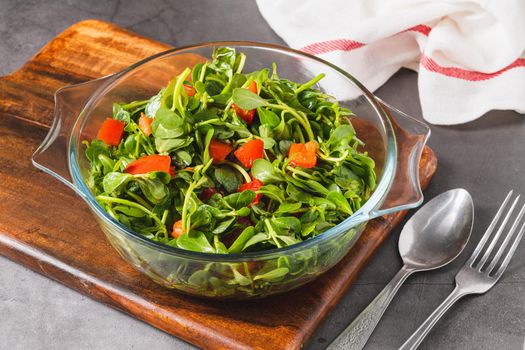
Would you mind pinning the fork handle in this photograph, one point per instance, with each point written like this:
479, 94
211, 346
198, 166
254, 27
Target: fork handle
417, 337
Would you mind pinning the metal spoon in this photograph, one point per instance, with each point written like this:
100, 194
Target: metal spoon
434, 236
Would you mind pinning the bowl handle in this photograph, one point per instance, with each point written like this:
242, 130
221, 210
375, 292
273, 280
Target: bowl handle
411, 136
52, 156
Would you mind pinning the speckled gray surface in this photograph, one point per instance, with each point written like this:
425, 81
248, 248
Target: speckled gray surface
486, 157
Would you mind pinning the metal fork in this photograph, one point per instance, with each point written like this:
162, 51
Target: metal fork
479, 273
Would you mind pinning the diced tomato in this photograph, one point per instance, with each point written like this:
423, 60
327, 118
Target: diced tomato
253, 87
249, 152
207, 193
145, 124
254, 186
178, 230
111, 131
245, 115
148, 164
172, 171
303, 154
219, 150
190, 90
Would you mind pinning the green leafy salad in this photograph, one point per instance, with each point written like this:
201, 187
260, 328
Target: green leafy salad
224, 161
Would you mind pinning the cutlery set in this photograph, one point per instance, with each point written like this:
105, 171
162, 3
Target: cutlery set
432, 238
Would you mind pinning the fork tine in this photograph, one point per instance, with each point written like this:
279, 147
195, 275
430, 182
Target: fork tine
506, 241
497, 235
511, 252
489, 230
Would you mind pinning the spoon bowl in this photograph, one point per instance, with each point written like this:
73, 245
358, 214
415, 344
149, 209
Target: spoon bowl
438, 232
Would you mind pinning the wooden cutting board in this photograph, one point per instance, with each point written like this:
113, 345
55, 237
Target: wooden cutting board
46, 227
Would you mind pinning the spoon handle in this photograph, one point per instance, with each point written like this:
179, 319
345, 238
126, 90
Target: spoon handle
355, 336
417, 337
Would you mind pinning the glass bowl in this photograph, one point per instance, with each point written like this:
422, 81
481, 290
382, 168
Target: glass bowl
393, 139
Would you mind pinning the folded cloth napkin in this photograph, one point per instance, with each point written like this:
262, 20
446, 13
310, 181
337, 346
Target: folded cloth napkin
470, 55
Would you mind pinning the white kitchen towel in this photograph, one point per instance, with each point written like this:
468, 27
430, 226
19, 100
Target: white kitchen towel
470, 55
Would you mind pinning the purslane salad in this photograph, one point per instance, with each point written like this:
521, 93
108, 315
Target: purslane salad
221, 161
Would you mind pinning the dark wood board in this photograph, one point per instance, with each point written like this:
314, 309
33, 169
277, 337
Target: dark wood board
46, 227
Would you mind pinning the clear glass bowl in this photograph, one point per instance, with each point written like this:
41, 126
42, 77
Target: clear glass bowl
393, 139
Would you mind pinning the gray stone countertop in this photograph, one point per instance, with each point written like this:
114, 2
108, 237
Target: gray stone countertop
487, 157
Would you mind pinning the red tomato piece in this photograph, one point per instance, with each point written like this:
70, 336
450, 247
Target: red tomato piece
253, 87
254, 186
249, 152
245, 115
111, 131
190, 90
219, 150
145, 124
178, 230
147, 164
303, 154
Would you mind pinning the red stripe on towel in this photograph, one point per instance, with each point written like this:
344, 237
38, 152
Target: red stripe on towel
427, 62
470, 75
332, 45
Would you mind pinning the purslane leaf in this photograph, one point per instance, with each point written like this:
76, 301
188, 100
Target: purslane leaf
246, 99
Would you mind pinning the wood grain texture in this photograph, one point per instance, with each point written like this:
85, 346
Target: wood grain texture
45, 227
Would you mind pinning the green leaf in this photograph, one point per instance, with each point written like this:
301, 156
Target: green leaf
273, 275
264, 171
288, 240
240, 279
340, 202
237, 81
204, 115
153, 105
298, 194
227, 178
195, 241
96, 148
288, 208
201, 217
244, 211
130, 211
168, 145
220, 248
340, 138
207, 140
196, 71
268, 117
238, 245
273, 192
223, 226
246, 99
240, 199
199, 278
153, 188
120, 113
115, 182
167, 124
268, 142
285, 224
255, 239
223, 60
183, 158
